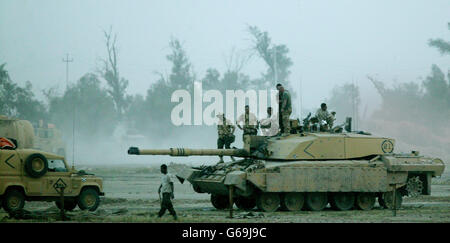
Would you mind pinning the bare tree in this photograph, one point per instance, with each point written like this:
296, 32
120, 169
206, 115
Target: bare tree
236, 61
275, 56
110, 72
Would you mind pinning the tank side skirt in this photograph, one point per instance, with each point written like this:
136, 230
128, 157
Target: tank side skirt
327, 179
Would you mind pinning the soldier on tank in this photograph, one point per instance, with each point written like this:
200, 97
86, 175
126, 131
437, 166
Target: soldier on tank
225, 130
322, 116
285, 109
250, 122
166, 188
332, 119
269, 125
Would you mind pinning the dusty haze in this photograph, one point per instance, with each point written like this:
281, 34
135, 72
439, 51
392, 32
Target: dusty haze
330, 43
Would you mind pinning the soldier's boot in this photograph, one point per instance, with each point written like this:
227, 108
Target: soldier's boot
221, 159
232, 158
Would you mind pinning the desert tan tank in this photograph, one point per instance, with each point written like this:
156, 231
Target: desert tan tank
309, 170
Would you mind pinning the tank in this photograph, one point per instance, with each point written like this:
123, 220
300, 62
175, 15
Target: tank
309, 170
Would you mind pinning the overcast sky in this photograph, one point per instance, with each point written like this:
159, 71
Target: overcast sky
330, 42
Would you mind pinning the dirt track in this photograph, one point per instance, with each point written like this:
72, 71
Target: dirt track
131, 196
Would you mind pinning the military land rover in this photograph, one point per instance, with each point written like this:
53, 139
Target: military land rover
33, 175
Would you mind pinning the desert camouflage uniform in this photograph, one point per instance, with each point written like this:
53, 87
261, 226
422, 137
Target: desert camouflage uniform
250, 126
325, 116
285, 111
225, 130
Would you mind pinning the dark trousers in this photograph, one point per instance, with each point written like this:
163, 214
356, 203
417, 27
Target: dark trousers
221, 142
166, 204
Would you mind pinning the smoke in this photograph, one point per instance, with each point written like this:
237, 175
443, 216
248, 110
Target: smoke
112, 150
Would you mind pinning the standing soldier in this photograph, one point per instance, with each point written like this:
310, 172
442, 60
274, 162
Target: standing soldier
250, 126
269, 125
285, 109
225, 129
166, 188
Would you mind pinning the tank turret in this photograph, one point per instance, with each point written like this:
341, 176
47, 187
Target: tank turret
304, 146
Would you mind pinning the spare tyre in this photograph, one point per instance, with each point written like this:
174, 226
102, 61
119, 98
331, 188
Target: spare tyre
36, 165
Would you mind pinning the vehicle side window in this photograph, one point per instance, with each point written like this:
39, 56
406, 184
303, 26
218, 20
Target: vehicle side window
56, 165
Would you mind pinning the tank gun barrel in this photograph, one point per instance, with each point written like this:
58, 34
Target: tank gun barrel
189, 152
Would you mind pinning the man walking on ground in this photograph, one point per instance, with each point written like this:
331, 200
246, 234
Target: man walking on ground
166, 188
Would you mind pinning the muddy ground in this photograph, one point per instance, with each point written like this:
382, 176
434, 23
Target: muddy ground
131, 196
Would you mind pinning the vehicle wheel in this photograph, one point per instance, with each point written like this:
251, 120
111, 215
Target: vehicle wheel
387, 198
89, 199
13, 200
268, 201
245, 203
69, 205
220, 202
36, 165
365, 200
342, 201
316, 201
293, 201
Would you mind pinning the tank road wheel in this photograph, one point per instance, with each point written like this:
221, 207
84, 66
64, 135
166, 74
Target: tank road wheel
245, 203
387, 198
365, 200
342, 201
220, 202
89, 199
268, 201
316, 201
13, 200
69, 205
293, 201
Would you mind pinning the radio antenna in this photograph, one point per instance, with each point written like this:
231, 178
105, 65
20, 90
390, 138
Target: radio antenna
73, 134
300, 99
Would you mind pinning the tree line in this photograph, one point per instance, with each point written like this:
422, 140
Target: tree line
426, 103
97, 109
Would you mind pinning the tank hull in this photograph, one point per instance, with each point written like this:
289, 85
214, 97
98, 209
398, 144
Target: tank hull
376, 177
